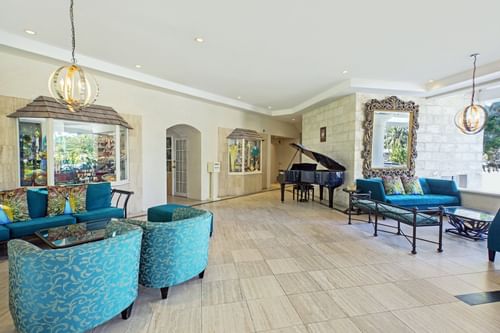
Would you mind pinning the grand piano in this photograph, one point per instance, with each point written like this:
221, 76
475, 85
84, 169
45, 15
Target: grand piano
306, 173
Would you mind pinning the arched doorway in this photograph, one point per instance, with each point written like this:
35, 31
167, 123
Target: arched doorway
183, 162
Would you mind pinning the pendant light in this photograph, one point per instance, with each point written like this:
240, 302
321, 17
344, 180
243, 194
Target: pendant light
70, 85
473, 118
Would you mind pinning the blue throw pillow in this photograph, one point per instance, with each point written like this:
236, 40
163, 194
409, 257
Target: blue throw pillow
4, 219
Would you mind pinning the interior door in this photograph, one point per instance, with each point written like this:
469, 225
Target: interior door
180, 170
170, 166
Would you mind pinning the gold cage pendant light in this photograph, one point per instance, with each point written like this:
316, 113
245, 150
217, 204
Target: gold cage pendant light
473, 118
70, 85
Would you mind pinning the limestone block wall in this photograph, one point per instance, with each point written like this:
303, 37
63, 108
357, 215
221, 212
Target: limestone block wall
342, 121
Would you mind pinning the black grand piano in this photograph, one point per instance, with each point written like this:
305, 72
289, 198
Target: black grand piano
306, 174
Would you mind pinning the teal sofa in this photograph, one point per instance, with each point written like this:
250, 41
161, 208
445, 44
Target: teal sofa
494, 237
437, 192
98, 205
74, 289
174, 251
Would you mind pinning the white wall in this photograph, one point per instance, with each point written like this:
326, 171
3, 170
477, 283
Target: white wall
26, 76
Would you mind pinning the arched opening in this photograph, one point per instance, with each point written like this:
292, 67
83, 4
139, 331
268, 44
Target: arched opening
183, 163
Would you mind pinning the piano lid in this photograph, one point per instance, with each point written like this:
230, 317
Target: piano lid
324, 160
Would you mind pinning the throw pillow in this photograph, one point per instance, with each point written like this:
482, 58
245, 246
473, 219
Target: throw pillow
57, 196
393, 185
78, 198
412, 185
15, 204
5, 214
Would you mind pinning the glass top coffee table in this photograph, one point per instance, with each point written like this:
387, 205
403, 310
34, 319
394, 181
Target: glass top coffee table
469, 223
70, 235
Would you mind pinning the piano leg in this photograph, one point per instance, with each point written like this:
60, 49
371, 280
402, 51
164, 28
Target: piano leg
321, 192
330, 197
282, 192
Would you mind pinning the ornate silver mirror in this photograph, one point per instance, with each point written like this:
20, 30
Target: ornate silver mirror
390, 137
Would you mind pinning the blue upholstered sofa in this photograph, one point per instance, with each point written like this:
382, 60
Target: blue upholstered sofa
74, 289
174, 251
437, 192
98, 205
494, 237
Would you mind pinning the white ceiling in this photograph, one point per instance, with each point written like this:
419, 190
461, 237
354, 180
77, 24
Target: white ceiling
277, 53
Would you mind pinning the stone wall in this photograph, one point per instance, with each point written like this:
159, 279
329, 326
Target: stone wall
343, 141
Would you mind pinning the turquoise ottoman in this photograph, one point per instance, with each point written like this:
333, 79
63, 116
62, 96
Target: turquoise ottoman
163, 213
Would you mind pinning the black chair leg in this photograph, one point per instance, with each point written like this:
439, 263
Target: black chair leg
414, 243
491, 255
202, 274
127, 312
164, 292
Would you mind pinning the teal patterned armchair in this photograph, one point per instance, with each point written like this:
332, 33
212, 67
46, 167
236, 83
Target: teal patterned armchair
77, 288
176, 251
494, 237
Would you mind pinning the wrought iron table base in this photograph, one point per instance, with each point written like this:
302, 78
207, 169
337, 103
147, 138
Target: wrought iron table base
472, 229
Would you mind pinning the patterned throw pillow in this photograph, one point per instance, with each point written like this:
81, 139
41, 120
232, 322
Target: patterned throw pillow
15, 204
412, 185
56, 200
393, 185
78, 198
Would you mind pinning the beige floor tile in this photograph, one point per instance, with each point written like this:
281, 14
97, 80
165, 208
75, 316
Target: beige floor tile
273, 313
425, 292
384, 322
334, 326
340, 260
392, 297
175, 319
294, 329
261, 287
315, 307
295, 283
186, 294
302, 250
278, 252
281, 266
226, 318
217, 292
220, 272
244, 255
356, 301
480, 280
253, 269
331, 279
453, 285
362, 275
313, 263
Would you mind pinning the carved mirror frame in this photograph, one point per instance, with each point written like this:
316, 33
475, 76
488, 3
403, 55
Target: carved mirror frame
389, 104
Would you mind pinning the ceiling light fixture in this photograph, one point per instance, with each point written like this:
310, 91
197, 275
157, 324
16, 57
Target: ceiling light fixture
70, 85
472, 119
345, 72
431, 81
293, 119
199, 39
269, 107
138, 66
30, 32
239, 97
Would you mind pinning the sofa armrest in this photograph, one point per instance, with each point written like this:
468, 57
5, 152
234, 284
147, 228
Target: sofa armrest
376, 188
444, 187
122, 198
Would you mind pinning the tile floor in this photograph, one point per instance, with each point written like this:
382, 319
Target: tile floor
299, 268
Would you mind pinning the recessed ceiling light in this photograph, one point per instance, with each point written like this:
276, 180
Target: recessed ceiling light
199, 39
269, 107
345, 72
431, 81
293, 119
30, 32
138, 66
239, 97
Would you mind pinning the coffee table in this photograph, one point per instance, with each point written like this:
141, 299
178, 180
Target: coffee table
70, 235
469, 223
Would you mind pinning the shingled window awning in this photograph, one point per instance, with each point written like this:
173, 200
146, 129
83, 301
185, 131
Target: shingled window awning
47, 107
241, 133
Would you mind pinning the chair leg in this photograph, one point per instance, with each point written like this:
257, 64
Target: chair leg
202, 274
164, 292
375, 226
491, 255
127, 312
440, 248
399, 228
414, 243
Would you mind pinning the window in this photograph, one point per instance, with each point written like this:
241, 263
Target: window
80, 152
32, 152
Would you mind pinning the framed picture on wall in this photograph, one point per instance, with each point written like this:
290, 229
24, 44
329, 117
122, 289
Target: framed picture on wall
322, 134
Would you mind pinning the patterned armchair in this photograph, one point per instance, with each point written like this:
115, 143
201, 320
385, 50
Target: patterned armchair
494, 237
174, 252
77, 288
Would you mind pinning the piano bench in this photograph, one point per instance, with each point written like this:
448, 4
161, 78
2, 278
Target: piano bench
303, 192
